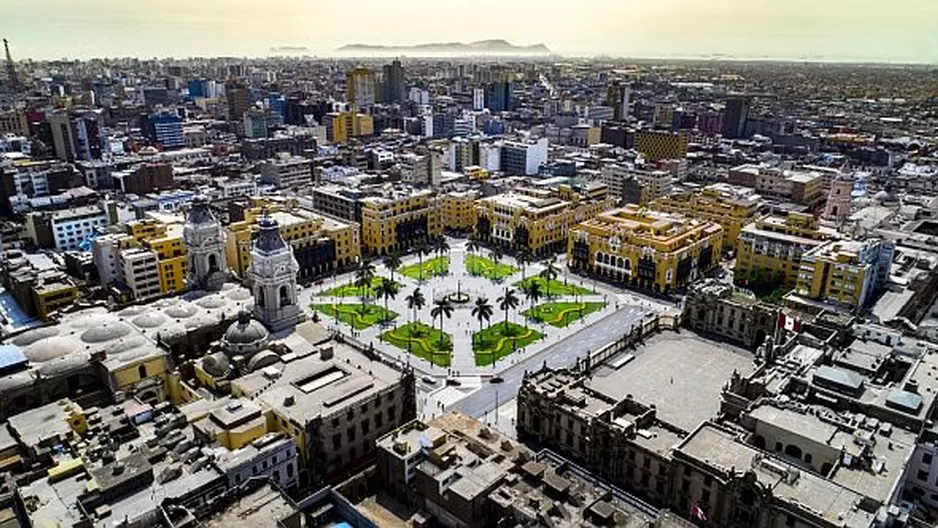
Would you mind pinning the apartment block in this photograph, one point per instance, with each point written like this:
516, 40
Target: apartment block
730, 206
395, 219
657, 145
287, 171
846, 272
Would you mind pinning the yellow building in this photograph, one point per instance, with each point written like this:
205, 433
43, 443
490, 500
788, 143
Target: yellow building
770, 249
361, 86
54, 295
459, 210
538, 219
347, 125
657, 145
166, 241
398, 219
730, 206
475, 172
321, 244
645, 248
845, 272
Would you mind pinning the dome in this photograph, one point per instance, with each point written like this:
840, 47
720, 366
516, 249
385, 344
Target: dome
107, 332
246, 335
262, 359
30, 337
180, 311
240, 294
211, 302
49, 349
216, 364
882, 196
150, 320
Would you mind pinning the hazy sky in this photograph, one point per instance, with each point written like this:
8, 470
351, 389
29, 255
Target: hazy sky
895, 30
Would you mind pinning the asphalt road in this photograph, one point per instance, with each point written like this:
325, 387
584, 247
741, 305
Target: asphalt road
564, 353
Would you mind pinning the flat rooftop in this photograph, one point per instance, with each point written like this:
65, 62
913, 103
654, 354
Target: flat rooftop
669, 367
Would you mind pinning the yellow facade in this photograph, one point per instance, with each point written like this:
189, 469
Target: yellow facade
659, 145
398, 220
538, 219
645, 248
303, 230
126, 377
459, 210
770, 249
848, 272
170, 248
51, 297
728, 206
347, 125
243, 435
475, 172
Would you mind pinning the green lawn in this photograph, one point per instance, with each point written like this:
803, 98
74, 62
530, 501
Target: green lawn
483, 267
557, 287
561, 314
424, 342
500, 340
351, 290
359, 316
430, 268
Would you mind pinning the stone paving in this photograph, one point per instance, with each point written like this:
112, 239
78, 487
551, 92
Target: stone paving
461, 325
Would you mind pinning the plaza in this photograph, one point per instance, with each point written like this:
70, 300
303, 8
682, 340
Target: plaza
411, 333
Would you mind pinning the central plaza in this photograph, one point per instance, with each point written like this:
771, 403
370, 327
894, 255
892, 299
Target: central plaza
462, 311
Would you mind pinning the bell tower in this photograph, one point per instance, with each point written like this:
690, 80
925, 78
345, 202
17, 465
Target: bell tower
205, 241
273, 278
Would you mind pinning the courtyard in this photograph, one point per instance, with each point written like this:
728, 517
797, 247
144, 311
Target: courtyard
461, 313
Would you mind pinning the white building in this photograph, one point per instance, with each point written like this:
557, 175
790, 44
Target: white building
233, 188
419, 96
271, 456
478, 98
140, 272
523, 158
490, 156
287, 171
104, 251
71, 227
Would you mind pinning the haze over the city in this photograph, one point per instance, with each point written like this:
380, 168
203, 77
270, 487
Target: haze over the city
839, 30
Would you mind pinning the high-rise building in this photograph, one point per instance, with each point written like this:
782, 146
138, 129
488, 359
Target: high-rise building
165, 128
523, 158
500, 96
238, 101
735, 117
839, 199
393, 84
78, 135
618, 97
360, 87
658, 145
847, 272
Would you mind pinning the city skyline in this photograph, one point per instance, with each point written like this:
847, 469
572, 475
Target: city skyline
837, 30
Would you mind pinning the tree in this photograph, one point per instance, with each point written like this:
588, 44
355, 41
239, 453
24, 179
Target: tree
441, 245
422, 251
508, 301
441, 308
392, 262
364, 275
523, 258
495, 256
550, 273
473, 245
389, 290
533, 293
482, 311
416, 301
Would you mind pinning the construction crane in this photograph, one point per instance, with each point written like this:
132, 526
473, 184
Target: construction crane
11, 68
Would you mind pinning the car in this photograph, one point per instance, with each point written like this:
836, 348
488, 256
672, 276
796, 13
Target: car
428, 380
320, 282
453, 381
496, 379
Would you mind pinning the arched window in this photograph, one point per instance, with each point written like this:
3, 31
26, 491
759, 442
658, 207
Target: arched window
793, 451
285, 296
621, 263
259, 297
142, 371
212, 262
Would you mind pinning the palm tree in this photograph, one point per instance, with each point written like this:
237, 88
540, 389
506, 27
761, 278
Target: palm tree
415, 302
389, 290
550, 273
392, 262
441, 308
364, 275
533, 293
482, 311
523, 258
473, 245
495, 256
507, 302
441, 246
422, 251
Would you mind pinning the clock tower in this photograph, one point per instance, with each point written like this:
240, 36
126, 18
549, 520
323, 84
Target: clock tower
205, 241
273, 278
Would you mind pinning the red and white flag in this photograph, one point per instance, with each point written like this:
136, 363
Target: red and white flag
697, 512
788, 322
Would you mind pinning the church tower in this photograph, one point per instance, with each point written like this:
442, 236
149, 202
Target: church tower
273, 278
205, 241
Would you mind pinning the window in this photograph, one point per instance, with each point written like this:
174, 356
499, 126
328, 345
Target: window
350, 433
922, 475
789, 521
336, 441
926, 459
708, 481
705, 496
685, 485
142, 371
289, 470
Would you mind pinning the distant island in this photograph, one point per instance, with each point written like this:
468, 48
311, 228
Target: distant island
482, 47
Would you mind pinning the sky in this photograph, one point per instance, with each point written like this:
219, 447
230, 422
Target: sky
840, 30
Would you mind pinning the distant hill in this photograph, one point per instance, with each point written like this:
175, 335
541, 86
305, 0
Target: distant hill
482, 47
289, 49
